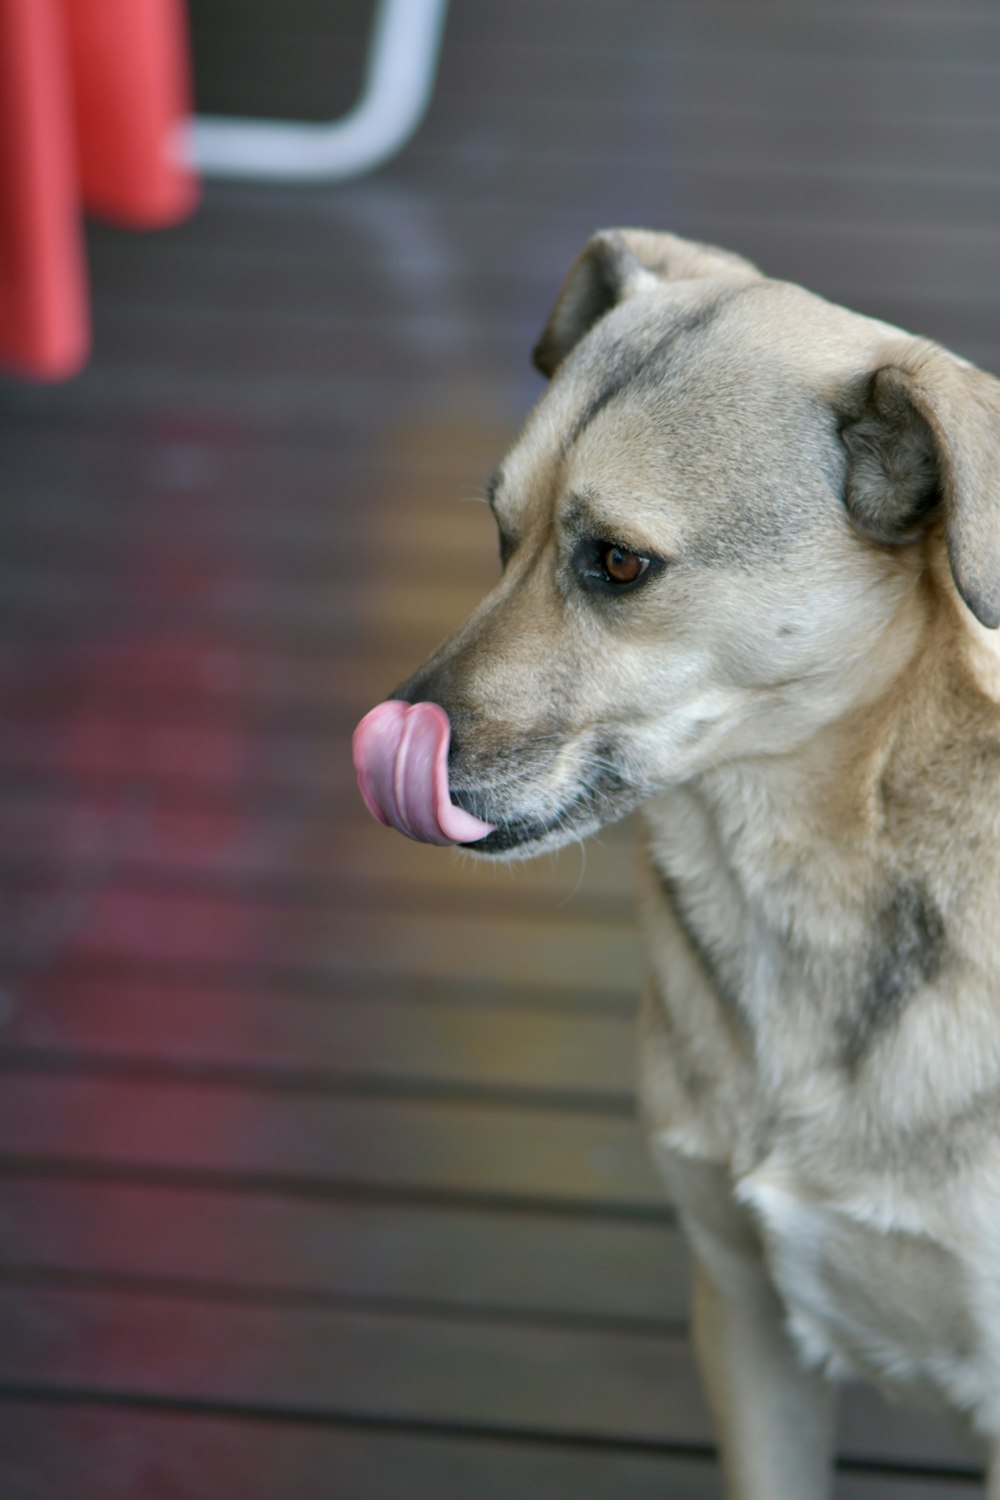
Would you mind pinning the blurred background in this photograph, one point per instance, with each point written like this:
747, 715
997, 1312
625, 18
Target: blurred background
319, 1173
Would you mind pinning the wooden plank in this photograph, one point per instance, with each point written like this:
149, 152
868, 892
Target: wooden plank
321, 1040
486, 993
296, 851
100, 746
294, 543
145, 465
308, 1140
517, 260
953, 313
82, 859
252, 604
367, 872
522, 1262
327, 1362
521, 277
727, 205
241, 382
724, 21
525, 1264
509, 66
116, 1453
178, 677
559, 20
298, 539
321, 1363
168, 677
509, 231
112, 791
820, 253
188, 336
123, 923
959, 174
244, 385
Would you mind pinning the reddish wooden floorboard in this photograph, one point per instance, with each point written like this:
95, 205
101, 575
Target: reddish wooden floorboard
470, 1372
299, 1037
120, 1453
313, 1137
525, 1261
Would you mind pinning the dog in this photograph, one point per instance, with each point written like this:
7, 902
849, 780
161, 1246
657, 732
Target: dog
751, 584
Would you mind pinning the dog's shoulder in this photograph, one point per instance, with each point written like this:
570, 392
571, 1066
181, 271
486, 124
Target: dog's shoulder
836, 931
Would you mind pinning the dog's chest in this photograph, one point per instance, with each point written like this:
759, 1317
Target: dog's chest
895, 1306
750, 1052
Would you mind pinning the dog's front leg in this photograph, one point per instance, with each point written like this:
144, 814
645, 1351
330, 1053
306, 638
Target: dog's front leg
993, 1485
774, 1419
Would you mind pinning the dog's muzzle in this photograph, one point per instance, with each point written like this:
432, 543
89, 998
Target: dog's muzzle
401, 757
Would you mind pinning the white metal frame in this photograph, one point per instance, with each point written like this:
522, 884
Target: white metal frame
399, 81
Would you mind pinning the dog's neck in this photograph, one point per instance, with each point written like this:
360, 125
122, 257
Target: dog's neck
793, 877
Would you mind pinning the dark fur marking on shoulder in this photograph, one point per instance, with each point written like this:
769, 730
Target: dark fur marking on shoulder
907, 950
644, 366
706, 961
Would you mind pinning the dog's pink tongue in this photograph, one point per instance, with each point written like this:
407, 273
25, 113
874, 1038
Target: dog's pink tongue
401, 757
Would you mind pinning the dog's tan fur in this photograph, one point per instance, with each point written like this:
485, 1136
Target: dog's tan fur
802, 694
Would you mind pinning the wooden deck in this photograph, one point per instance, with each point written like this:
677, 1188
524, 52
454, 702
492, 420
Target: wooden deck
318, 1169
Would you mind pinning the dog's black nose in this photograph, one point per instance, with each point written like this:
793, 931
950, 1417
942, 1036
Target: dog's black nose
427, 687
423, 687
407, 693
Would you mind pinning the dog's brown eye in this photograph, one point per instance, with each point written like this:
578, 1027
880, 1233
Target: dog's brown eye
623, 566
611, 568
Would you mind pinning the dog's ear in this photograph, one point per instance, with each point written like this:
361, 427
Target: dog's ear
618, 263
923, 438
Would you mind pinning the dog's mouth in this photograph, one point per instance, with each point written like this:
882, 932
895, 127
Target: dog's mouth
401, 756
532, 838
515, 833
589, 807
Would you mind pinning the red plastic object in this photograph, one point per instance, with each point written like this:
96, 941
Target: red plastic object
44, 320
129, 60
93, 97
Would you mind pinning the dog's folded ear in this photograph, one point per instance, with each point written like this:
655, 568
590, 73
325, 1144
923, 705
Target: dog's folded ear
923, 438
618, 263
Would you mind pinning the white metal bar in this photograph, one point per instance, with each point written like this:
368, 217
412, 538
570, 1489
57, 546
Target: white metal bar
399, 80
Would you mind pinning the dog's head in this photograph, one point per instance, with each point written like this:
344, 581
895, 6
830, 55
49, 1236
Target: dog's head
718, 531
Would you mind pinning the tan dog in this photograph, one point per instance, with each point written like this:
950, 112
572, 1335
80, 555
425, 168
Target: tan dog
752, 571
